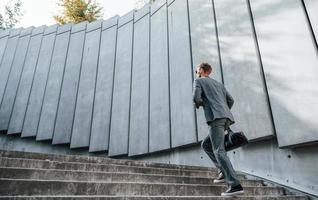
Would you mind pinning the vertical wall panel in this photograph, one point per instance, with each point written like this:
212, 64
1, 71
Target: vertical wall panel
65, 111
3, 42
33, 111
312, 7
104, 87
86, 89
183, 122
242, 71
14, 78
139, 114
21, 101
290, 63
122, 79
53, 85
159, 119
7, 60
204, 48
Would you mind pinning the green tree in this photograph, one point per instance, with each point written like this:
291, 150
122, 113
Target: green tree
12, 14
75, 11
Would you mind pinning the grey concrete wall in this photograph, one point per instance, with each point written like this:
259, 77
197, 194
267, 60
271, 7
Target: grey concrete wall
49, 88
14, 78
205, 47
6, 64
290, 68
65, 112
139, 124
119, 132
23, 92
183, 118
159, 114
242, 70
123, 86
32, 115
50, 102
104, 87
3, 42
86, 89
311, 7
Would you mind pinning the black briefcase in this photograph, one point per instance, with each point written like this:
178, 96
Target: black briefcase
233, 140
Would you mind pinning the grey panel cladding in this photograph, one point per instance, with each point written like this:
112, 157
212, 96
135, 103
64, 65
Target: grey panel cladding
157, 5
15, 32
104, 88
139, 111
22, 97
159, 119
141, 13
13, 79
26, 31
3, 43
113, 21
53, 84
204, 47
293, 97
51, 29
124, 85
126, 18
34, 105
86, 89
6, 62
64, 28
4, 33
38, 30
94, 25
66, 106
183, 122
118, 144
79, 27
312, 7
242, 70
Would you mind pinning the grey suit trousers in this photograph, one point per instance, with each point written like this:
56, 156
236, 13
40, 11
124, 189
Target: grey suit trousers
213, 145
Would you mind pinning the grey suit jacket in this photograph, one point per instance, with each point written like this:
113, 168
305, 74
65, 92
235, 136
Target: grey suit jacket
214, 98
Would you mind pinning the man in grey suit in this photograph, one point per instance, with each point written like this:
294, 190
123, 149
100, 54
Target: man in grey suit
216, 102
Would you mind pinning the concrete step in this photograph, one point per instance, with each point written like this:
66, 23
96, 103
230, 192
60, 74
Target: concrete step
105, 197
53, 174
43, 164
94, 159
11, 187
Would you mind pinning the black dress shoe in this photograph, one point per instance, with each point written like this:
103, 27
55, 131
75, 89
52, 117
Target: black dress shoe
232, 191
219, 179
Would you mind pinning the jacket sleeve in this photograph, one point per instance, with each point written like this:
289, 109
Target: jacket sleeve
197, 94
229, 98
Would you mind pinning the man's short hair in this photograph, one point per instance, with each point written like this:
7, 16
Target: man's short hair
206, 67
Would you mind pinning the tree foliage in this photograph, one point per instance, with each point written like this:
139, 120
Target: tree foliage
75, 11
12, 14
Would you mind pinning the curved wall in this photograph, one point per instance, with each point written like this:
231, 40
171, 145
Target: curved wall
123, 86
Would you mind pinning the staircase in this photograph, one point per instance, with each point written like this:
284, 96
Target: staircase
48, 176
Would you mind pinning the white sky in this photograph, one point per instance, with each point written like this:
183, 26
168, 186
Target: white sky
40, 12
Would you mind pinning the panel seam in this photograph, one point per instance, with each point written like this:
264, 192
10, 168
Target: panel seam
259, 55
96, 76
111, 106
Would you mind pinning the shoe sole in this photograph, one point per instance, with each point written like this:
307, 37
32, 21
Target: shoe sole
219, 181
233, 193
